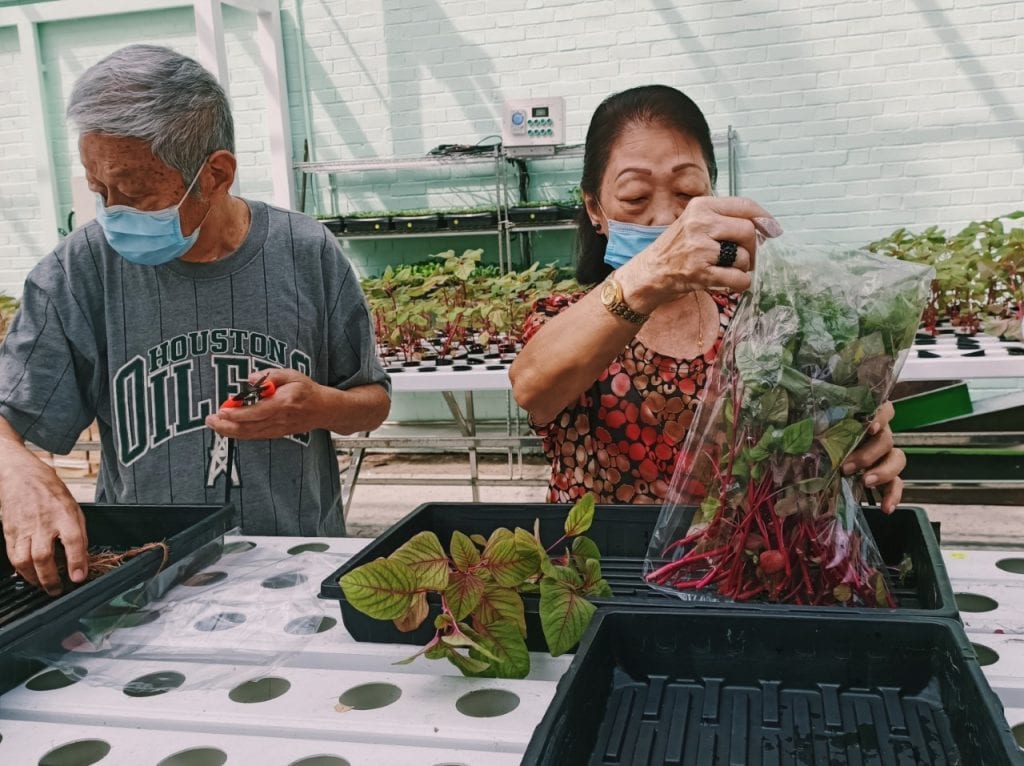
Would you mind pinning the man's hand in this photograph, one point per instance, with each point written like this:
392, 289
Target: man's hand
38, 510
879, 459
297, 406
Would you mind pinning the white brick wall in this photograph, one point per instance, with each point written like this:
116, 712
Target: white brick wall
853, 118
68, 48
20, 227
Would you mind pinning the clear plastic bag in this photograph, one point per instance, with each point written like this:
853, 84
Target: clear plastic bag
758, 508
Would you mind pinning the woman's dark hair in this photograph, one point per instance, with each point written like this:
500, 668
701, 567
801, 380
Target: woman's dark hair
645, 105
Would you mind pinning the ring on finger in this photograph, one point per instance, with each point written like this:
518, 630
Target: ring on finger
727, 253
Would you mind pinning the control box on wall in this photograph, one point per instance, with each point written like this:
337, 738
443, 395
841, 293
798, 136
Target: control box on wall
533, 127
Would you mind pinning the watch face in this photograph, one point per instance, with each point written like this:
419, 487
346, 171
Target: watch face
608, 293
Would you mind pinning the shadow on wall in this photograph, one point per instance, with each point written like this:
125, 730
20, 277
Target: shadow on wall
342, 119
475, 86
973, 69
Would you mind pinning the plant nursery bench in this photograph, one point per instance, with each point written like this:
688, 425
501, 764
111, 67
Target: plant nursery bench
244, 664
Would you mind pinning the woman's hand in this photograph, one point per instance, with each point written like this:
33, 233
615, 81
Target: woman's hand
879, 459
685, 257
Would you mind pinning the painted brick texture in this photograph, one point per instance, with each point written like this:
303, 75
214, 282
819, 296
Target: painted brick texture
852, 118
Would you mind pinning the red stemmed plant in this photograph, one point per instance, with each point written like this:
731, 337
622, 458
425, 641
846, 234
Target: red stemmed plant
807, 359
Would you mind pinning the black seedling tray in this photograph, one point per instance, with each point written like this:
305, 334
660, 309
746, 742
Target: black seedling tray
535, 215
334, 225
373, 225
714, 688
416, 222
484, 220
622, 533
33, 624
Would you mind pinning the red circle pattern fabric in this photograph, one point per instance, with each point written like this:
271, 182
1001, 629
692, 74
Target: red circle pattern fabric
621, 438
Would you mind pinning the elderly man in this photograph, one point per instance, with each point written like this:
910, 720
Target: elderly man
152, 316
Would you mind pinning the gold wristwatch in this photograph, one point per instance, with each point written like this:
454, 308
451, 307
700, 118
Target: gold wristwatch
611, 297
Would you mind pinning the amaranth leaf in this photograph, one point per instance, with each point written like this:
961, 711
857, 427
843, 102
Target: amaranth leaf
581, 516
464, 553
423, 554
564, 614
382, 589
463, 593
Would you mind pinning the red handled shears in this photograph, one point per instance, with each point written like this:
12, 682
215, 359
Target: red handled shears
250, 393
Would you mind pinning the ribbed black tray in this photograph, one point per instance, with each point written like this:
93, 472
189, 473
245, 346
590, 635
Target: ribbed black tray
527, 215
714, 688
372, 225
33, 624
484, 220
429, 222
622, 533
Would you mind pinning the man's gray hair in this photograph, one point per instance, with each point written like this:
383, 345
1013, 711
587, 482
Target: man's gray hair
159, 96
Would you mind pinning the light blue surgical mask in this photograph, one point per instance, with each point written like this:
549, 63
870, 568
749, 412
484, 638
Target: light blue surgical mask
627, 239
146, 237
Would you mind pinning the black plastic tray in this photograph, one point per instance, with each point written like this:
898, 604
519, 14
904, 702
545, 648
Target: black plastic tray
429, 222
484, 220
33, 624
372, 225
538, 214
713, 688
622, 533
334, 225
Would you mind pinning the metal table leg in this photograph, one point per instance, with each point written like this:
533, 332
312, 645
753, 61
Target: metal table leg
467, 425
350, 477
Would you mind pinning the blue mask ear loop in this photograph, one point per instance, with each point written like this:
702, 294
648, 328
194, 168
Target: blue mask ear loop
189, 191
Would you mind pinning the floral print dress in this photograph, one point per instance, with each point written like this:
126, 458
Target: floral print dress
621, 438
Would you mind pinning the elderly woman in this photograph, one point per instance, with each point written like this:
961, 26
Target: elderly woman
611, 377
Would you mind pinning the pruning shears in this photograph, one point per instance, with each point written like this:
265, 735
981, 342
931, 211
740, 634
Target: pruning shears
250, 393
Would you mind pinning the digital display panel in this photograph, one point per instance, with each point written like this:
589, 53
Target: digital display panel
540, 111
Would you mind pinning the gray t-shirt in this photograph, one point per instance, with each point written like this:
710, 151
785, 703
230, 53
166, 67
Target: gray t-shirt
149, 352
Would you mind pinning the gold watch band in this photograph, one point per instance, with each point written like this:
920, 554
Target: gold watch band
611, 297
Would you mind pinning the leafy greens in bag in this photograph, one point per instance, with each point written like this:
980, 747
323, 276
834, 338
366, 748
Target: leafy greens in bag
810, 354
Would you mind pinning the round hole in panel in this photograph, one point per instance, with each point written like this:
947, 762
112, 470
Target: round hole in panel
286, 580
1018, 735
84, 752
153, 684
986, 655
321, 760
1014, 566
975, 602
239, 546
308, 548
260, 690
56, 678
370, 696
222, 621
487, 703
196, 756
310, 624
205, 578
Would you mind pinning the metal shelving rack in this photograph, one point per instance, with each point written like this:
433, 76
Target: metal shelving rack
499, 160
496, 159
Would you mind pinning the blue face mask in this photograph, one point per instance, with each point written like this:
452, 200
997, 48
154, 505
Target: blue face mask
627, 239
146, 237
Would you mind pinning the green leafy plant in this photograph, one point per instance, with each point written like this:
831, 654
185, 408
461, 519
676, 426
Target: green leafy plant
807, 359
979, 273
8, 308
442, 305
479, 583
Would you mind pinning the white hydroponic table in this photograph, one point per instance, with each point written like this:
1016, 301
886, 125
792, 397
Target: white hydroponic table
250, 615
